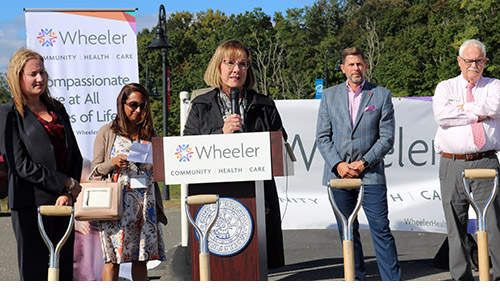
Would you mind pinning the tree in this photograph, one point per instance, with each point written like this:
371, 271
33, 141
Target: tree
409, 45
5, 94
373, 47
269, 61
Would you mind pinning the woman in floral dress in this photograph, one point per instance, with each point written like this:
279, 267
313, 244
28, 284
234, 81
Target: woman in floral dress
137, 236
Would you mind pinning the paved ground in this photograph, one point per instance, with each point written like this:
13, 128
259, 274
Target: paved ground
311, 255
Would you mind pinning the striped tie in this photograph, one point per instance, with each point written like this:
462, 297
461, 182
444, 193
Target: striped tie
477, 128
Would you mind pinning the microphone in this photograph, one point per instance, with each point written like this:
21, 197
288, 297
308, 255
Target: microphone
234, 93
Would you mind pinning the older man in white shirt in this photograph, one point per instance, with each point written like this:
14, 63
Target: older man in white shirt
467, 110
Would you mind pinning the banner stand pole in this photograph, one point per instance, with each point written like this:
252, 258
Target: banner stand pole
184, 97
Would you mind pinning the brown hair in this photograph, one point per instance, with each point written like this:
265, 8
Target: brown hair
227, 49
145, 125
352, 51
14, 74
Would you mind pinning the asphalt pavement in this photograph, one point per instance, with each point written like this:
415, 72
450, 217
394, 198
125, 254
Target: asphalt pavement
310, 255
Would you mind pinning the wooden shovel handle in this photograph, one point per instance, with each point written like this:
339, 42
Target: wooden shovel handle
56, 210
345, 183
479, 173
53, 274
348, 260
202, 199
204, 266
482, 256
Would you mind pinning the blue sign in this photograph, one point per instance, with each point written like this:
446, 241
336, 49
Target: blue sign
319, 88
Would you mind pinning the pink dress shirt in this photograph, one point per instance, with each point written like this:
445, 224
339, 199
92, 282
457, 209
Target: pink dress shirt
354, 100
454, 135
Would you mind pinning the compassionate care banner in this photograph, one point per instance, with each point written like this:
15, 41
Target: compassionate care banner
89, 55
411, 168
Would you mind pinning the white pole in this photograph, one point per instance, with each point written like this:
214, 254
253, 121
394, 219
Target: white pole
184, 96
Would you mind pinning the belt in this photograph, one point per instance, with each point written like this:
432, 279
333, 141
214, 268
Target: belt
473, 156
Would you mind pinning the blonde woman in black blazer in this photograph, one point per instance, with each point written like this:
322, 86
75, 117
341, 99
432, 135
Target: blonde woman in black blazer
45, 164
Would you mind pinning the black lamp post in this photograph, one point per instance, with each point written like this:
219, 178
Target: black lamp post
152, 92
325, 84
160, 42
337, 67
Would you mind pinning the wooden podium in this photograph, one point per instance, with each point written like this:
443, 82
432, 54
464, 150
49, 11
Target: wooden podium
250, 264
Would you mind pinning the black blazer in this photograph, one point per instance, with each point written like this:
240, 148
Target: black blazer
28, 151
205, 116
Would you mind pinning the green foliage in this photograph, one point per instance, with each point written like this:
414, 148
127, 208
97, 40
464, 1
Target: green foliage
5, 95
410, 45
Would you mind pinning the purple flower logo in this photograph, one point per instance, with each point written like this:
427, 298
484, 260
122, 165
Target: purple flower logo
46, 37
184, 153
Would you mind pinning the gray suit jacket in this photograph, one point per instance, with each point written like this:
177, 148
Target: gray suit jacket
371, 137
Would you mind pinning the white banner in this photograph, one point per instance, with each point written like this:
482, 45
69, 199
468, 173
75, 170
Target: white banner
90, 56
217, 158
411, 169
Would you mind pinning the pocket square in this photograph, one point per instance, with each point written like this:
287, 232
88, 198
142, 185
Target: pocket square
370, 108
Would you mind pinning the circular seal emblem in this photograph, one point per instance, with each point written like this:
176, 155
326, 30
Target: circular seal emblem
233, 229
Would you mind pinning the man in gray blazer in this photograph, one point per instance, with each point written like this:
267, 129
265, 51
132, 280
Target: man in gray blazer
355, 131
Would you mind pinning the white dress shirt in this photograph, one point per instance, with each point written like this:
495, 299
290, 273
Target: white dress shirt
454, 135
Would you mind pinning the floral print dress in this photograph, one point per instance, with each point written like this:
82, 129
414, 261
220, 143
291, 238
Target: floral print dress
138, 235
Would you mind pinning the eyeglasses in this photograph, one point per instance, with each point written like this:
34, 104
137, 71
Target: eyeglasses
134, 105
479, 61
242, 65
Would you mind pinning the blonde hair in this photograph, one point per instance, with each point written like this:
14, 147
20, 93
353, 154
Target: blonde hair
14, 74
228, 49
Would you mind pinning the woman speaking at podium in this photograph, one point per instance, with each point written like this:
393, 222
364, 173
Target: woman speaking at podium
234, 106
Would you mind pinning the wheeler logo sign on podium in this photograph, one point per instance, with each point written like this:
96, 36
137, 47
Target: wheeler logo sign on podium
217, 158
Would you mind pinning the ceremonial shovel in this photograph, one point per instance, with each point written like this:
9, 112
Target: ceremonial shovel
347, 222
482, 234
57, 211
203, 236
